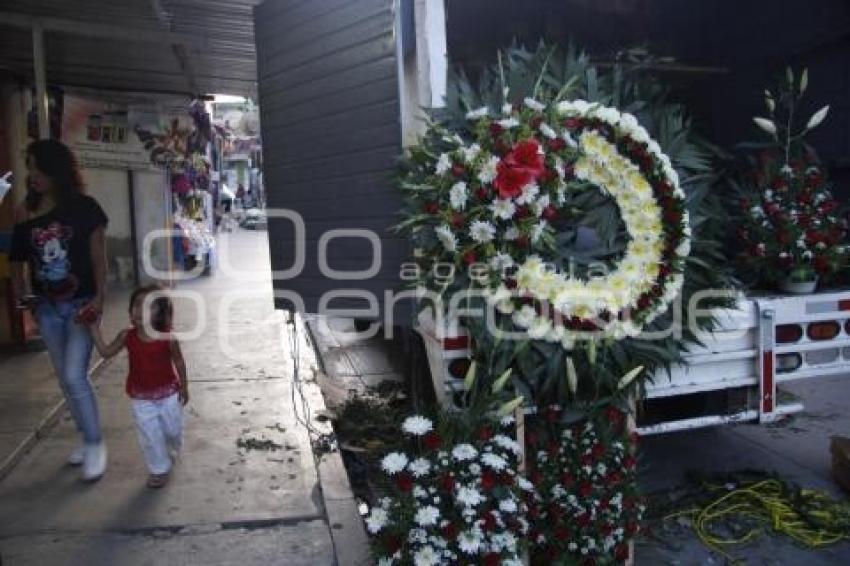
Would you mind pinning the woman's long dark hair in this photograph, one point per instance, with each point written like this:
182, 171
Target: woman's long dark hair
56, 161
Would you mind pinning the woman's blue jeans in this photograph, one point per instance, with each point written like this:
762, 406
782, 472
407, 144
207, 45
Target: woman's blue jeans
70, 346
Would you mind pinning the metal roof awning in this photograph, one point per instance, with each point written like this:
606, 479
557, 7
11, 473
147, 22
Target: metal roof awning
186, 47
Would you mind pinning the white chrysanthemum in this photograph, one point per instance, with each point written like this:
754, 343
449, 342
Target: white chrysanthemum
463, 452
471, 152
508, 123
377, 520
489, 170
469, 542
469, 496
427, 556
535, 105
507, 443
502, 261
444, 163
419, 467
540, 204
525, 316
394, 462
417, 425
547, 131
458, 195
446, 237
511, 233
475, 469
538, 230
503, 208
419, 492
508, 506
427, 516
494, 461
482, 232
477, 113
524, 484
529, 194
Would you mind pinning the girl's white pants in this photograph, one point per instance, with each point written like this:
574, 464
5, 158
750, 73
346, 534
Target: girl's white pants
159, 425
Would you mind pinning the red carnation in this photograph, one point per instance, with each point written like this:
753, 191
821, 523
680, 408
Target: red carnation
458, 219
488, 480
489, 522
469, 257
446, 482
821, 265
614, 478
482, 193
492, 559
561, 533
432, 441
449, 532
550, 213
567, 480
585, 489
615, 415
431, 207
583, 520
404, 482
598, 451
556, 144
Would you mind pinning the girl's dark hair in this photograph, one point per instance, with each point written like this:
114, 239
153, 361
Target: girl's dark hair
55, 160
163, 310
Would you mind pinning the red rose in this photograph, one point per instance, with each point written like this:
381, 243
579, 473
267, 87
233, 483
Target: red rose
614, 478
583, 520
458, 170
587, 460
804, 198
469, 257
432, 441
664, 270
489, 521
567, 480
526, 155
615, 415
644, 301
449, 532
496, 129
510, 180
772, 209
605, 529
550, 213
585, 489
492, 559
431, 207
598, 451
458, 219
482, 193
561, 533
404, 482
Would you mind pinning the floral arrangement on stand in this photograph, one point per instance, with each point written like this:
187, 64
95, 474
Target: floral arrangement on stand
792, 227
588, 471
456, 497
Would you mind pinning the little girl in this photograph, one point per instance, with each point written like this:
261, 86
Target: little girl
156, 382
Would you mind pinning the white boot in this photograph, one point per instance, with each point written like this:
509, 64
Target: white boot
76, 457
94, 461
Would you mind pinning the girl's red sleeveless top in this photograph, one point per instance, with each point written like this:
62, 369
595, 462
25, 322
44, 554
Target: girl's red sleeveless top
152, 374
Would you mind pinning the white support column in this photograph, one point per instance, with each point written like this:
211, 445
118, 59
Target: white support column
40, 81
431, 54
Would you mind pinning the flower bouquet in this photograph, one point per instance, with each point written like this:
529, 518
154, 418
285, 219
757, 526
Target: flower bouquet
791, 227
585, 472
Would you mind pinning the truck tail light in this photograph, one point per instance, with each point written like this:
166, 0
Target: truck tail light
786, 333
788, 362
823, 330
458, 367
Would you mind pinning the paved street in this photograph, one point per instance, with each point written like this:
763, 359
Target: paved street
225, 504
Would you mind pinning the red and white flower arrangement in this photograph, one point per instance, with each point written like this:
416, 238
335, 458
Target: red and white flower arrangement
791, 226
495, 200
589, 507
453, 502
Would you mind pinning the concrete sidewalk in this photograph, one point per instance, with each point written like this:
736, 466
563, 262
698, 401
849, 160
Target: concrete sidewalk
246, 489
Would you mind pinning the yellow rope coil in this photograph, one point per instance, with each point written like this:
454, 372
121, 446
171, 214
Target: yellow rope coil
813, 519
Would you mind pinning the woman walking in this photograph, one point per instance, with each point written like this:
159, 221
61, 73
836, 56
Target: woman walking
59, 233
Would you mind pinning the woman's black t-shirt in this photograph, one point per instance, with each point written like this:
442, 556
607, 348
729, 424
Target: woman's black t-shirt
57, 246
